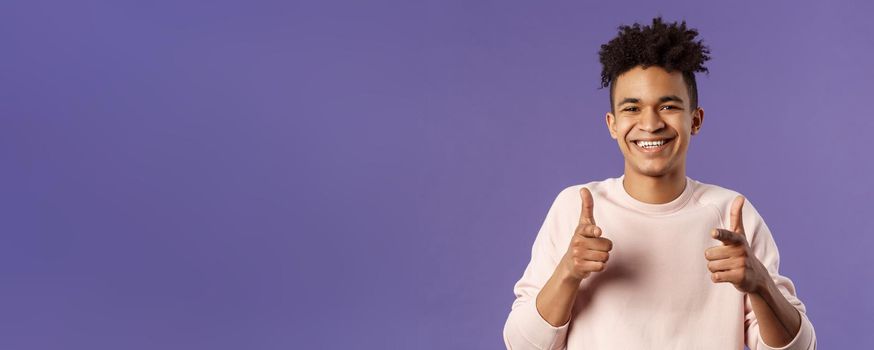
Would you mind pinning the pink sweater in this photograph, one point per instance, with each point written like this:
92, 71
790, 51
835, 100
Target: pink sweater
655, 292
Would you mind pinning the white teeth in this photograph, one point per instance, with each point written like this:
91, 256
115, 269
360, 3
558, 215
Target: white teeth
650, 144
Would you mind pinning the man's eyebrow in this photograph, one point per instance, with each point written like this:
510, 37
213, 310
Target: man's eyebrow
663, 99
628, 100
674, 98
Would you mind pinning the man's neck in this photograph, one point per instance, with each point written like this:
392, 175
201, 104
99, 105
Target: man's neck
654, 190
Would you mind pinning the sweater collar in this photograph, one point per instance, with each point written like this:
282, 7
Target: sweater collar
654, 209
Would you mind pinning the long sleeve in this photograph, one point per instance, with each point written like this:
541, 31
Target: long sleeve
765, 249
525, 328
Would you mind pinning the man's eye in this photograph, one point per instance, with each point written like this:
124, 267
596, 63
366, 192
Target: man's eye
630, 109
673, 107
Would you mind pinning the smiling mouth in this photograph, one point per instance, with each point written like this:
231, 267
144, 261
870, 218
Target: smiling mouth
652, 146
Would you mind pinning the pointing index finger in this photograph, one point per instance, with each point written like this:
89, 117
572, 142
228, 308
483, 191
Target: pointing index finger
587, 215
727, 237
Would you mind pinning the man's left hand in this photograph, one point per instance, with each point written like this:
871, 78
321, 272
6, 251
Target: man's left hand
734, 261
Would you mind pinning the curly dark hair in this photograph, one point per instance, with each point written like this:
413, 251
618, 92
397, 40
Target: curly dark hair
671, 46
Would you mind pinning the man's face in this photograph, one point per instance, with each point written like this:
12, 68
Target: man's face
653, 105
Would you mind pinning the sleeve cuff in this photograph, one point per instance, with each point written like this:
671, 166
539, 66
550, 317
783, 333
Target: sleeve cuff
536, 330
805, 339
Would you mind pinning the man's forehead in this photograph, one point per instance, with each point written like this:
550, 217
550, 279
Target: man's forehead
653, 84
662, 99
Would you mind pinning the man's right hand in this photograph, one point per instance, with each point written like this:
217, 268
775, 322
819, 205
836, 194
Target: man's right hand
588, 251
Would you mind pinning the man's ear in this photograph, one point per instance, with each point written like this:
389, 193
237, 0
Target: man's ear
697, 120
611, 121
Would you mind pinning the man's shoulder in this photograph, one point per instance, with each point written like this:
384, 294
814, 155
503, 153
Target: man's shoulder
719, 196
598, 189
712, 193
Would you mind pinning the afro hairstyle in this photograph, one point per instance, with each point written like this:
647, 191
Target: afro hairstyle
671, 46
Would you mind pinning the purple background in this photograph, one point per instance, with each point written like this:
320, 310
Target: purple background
371, 174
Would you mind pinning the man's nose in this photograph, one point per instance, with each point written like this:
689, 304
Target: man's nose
650, 121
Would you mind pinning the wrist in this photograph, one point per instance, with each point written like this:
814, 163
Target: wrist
763, 288
567, 277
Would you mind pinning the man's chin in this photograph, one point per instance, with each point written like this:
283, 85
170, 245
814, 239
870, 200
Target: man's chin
653, 171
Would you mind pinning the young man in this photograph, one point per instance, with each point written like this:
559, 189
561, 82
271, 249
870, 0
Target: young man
654, 259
